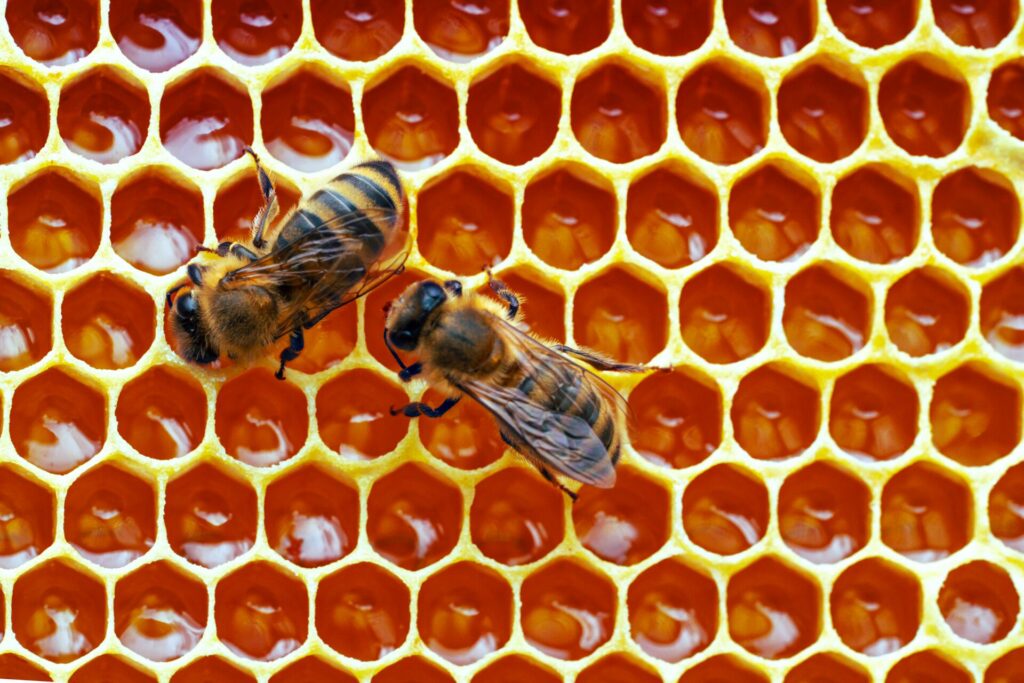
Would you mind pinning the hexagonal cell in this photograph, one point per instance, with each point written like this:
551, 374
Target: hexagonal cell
108, 322
823, 110
618, 115
514, 669
826, 666
1006, 508
828, 313
260, 420
771, 28
459, 32
254, 34
13, 666
206, 119
570, 27
668, 28
677, 418
774, 414
569, 217
110, 516
875, 214
414, 516
722, 112
156, 221
673, 610
979, 602
543, 302
975, 216
873, 413
56, 34
927, 311
774, 610
1007, 668
26, 322
872, 24
57, 422
104, 115
261, 612
926, 514
621, 316
352, 415
58, 611
311, 669
567, 610
55, 220
618, 667
925, 106
26, 118
160, 612
162, 413
412, 669
26, 518
724, 314
975, 23
723, 668
210, 669
927, 665
210, 516
774, 214
876, 607
1001, 311
412, 118
672, 217
975, 415
110, 668
725, 510
1005, 104
239, 200
355, 30
824, 513
308, 120
311, 517
516, 517
466, 438
362, 611
156, 35
465, 221
626, 524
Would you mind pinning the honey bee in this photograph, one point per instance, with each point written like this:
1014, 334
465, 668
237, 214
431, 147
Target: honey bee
563, 418
328, 251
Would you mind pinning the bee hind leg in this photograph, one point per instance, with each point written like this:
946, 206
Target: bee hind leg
505, 294
417, 408
295, 345
597, 360
546, 473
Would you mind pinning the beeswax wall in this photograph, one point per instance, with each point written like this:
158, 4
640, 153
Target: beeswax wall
809, 210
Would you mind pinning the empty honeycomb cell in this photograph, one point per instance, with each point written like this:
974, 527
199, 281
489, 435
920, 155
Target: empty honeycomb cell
156, 35
412, 118
722, 112
56, 33
828, 313
979, 602
24, 118
668, 27
466, 438
238, 202
162, 413
210, 517
414, 516
875, 214
357, 30
926, 513
104, 115
926, 311
725, 510
1007, 668
876, 607
725, 314
774, 610
27, 511
873, 24
567, 610
775, 415
311, 517
110, 668
723, 668
513, 112
618, 115
823, 110
58, 611
618, 668
542, 299
567, 26
514, 669
160, 612
569, 217
254, 33
362, 611
516, 517
672, 217
677, 418
926, 666
55, 220
829, 667
352, 415
110, 516
771, 28
774, 214
1006, 508
621, 316
673, 610
311, 669
1002, 314
465, 221
57, 421
824, 513
460, 31
261, 612
156, 221
13, 666
975, 216
308, 120
925, 105
1005, 104
975, 415
873, 413
412, 669
26, 322
626, 524
206, 118
975, 23
211, 670
260, 420
108, 322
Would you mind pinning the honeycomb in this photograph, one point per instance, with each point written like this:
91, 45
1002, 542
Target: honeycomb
808, 210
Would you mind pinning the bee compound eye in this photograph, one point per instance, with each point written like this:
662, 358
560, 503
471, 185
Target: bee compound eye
186, 306
403, 339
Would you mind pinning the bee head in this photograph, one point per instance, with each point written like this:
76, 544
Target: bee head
188, 328
409, 313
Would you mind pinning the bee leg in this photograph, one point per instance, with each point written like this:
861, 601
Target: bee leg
270, 204
454, 286
598, 361
410, 371
295, 345
416, 409
544, 472
237, 250
505, 294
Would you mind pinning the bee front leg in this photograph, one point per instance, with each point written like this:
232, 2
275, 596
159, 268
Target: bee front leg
505, 294
295, 345
416, 408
